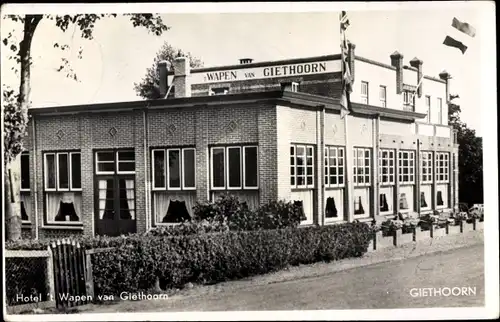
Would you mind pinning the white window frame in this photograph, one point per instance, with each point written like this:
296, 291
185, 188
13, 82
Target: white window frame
428, 104
391, 154
440, 110
25, 154
153, 169
364, 166
124, 161
167, 166
71, 171
97, 163
328, 149
57, 171
227, 168
429, 167
183, 173
383, 100
212, 167
46, 172
57, 187
305, 156
442, 170
410, 167
244, 166
364, 97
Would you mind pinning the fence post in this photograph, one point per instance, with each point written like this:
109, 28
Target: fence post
89, 276
50, 276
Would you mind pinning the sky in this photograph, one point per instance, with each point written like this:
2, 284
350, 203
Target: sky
119, 54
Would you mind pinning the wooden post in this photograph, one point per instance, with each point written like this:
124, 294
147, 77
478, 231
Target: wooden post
474, 223
447, 227
50, 276
431, 230
462, 226
89, 278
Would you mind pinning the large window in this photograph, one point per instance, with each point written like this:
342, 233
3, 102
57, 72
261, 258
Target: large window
25, 195
234, 167
62, 187
386, 166
426, 167
301, 166
406, 167
427, 109
334, 167
111, 162
442, 167
174, 169
364, 92
383, 96
408, 101
362, 166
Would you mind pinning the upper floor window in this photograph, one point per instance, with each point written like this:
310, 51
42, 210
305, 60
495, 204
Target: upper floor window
290, 86
406, 167
301, 166
386, 166
383, 96
111, 162
364, 92
440, 110
427, 109
408, 100
25, 171
362, 166
234, 167
62, 171
442, 167
334, 167
174, 169
426, 167
219, 91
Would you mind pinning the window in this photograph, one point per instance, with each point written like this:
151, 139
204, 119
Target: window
302, 166
234, 167
426, 167
62, 171
364, 92
383, 96
173, 169
111, 162
440, 110
408, 101
334, 167
62, 187
290, 86
219, 91
386, 166
25, 171
406, 168
442, 167
427, 109
361, 167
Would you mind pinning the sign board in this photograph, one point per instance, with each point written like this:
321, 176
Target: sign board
242, 74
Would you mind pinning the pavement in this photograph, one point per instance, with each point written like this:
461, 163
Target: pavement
379, 279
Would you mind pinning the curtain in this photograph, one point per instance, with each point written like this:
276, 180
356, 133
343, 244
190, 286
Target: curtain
25, 206
331, 209
358, 207
423, 203
129, 184
440, 201
384, 206
64, 207
103, 185
184, 201
403, 203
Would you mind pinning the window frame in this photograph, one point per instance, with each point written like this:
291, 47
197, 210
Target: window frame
327, 157
57, 188
391, 176
166, 170
411, 168
25, 154
356, 166
429, 167
242, 149
364, 96
428, 104
117, 169
213, 90
116, 161
305, 175
383, 101
442, 170
440, 110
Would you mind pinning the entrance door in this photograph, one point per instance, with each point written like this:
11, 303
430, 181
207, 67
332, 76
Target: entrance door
115, 205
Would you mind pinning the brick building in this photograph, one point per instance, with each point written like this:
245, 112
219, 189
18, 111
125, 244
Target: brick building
262, 131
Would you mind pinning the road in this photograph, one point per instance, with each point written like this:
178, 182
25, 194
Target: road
380, 286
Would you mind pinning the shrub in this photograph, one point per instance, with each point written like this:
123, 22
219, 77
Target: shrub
223, 208
204, 226
390, 226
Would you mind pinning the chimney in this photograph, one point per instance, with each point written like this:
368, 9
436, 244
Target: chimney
446, 77
417, 63
397, 61
351, 57
164, 67
182, 74
246, 61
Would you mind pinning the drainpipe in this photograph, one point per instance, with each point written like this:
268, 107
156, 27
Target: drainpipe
322, 164
349, 188
376, 186
35, 179
146, 172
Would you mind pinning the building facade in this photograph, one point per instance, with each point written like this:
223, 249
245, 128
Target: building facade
261, 131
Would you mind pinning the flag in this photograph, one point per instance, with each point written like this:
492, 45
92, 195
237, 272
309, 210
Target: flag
346, 73
456, 41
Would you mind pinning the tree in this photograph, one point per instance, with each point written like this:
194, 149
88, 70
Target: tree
470, 159
149, 86
16, 105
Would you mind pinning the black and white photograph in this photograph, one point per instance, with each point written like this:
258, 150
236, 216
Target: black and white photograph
249, 161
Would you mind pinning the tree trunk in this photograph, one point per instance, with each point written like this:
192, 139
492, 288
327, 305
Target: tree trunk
12, 185
12, 179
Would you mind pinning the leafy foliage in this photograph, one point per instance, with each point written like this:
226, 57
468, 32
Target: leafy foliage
149, 86
470, 159
15, 125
